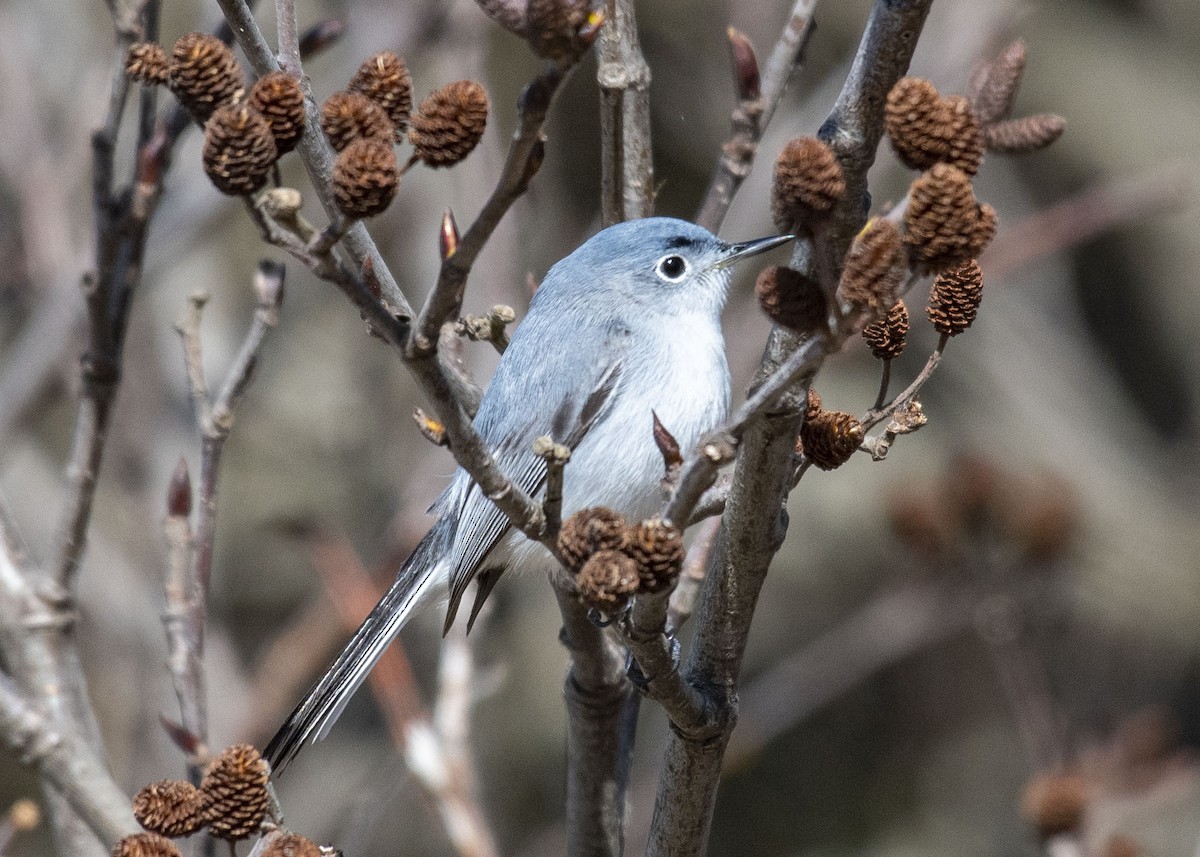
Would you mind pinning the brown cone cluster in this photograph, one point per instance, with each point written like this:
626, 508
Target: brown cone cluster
449, 123
588, 531
887, 336
365, 177
954, 298
236, 787
874, 269
791, 299
146, 62
384, 79
239, 149
656, 547
145, 845
828, 438
927, 129
560, 30
278, 97
944, 225
808, 182
608, 580
1054, 803
203, 73
350, 116
291, 845
173, 808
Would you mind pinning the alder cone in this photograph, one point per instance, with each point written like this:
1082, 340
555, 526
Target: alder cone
449, 123
944, 225
955, 297
887, 337
830, 438
203, 73
145, 845
350, 116
239, 149
588, 531
236, 788
808, 181
791, 299
173, 808
607, 580
966, 143
292, 845
365, 178
926, 129
384, 78
874, 268
555, 28
146, 62
657, 548
278, 97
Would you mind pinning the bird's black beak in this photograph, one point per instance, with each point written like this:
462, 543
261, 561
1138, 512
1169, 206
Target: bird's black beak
745, 249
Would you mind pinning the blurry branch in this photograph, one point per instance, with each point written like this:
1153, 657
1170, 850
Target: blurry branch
757, 99
755, 523
190, 564
627, 169
66, 763
30, 624
1096, 210
437, 749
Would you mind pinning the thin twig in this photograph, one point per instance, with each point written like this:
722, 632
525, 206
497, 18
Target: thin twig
878, 413
627, 170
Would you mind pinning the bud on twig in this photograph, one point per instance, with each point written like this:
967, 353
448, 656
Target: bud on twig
668, 447
320, 36
448, 236
745, 65
179, 492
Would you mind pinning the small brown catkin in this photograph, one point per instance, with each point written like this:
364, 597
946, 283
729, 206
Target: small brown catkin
874, 269
943, 224
278, 97
1054, 803
830, 438
588, 531
145, 845
384, 78
607, 580
808, 182
791, 299
365, 178
350, 116
173, 808
1024, 135
954, 298
555, 28
994, 85
657, 548
203, 73
292, 845
239, 149
146, 62
888, 336
449, 123
235, 785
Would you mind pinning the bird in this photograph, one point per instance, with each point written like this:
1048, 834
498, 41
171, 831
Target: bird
625, 329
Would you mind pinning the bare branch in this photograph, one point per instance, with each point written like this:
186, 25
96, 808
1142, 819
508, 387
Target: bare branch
627, 183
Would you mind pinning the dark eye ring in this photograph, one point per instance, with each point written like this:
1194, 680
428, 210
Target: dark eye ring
672, 268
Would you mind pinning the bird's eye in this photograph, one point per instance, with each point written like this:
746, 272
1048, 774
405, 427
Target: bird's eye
672, 268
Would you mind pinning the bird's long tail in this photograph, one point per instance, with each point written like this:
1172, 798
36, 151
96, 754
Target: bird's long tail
321, 707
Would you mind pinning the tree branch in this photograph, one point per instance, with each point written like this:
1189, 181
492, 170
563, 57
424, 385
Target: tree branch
627, 168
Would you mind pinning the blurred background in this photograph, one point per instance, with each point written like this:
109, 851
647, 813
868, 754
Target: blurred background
1015, 588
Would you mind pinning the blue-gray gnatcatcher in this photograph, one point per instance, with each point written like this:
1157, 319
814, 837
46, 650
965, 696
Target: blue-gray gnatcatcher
627, 324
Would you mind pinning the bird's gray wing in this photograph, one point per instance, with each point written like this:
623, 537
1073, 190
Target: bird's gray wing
564, 397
